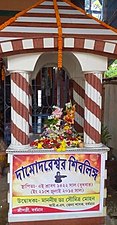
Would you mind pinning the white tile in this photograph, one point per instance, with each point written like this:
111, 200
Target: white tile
109, 47
27, 44
48, 42
69, 42
7, 47
89, 44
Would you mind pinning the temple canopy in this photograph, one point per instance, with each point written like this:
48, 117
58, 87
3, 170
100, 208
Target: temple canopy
57, 25
53, 27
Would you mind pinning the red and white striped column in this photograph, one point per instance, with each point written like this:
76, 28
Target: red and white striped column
93, 105
30, 108
19, 108
78, 97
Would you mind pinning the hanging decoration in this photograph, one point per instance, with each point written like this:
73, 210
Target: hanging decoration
3, 72
58, 20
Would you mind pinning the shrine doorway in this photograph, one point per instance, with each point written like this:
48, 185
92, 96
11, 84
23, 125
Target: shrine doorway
50, 87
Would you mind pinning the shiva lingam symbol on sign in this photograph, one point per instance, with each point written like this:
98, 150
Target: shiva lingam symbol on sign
58, 177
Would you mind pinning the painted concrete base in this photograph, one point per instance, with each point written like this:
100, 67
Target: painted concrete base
83, 221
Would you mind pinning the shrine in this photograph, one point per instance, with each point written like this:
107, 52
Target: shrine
55, 56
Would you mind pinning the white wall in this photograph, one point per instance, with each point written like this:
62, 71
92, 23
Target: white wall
22, 62
74, 63
91, 62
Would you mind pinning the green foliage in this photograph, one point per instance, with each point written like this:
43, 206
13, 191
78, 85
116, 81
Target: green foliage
50, 122
105, 135
112, 70
94, 3
97, 5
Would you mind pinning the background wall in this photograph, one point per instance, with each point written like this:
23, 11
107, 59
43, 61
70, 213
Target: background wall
110, 12
8, 8
110, 112
22, 4
15, 4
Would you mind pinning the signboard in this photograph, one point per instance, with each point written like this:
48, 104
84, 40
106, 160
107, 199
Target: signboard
56, 183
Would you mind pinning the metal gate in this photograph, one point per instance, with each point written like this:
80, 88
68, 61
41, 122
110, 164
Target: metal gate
7, 110
50, 87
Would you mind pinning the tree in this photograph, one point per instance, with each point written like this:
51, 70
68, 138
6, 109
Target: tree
112, 70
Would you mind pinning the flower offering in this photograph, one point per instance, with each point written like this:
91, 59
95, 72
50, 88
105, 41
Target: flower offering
59, 133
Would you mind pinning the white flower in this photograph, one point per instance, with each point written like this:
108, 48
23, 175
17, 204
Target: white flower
55, 107
50, 117
68, 105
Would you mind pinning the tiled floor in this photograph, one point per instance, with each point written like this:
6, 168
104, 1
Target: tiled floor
111, 218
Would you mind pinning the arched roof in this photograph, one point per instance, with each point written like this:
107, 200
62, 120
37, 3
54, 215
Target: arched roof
38, 28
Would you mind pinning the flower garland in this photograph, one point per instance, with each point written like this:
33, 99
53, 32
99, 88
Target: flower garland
59, 133
58, 20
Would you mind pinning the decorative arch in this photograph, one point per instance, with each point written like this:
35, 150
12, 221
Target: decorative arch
75, 73
50, 59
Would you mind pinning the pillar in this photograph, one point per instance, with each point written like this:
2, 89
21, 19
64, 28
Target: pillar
30, 108
78, 99
19, 108
93, 108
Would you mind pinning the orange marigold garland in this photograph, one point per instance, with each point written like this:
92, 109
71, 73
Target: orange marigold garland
3, 72
58, 20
